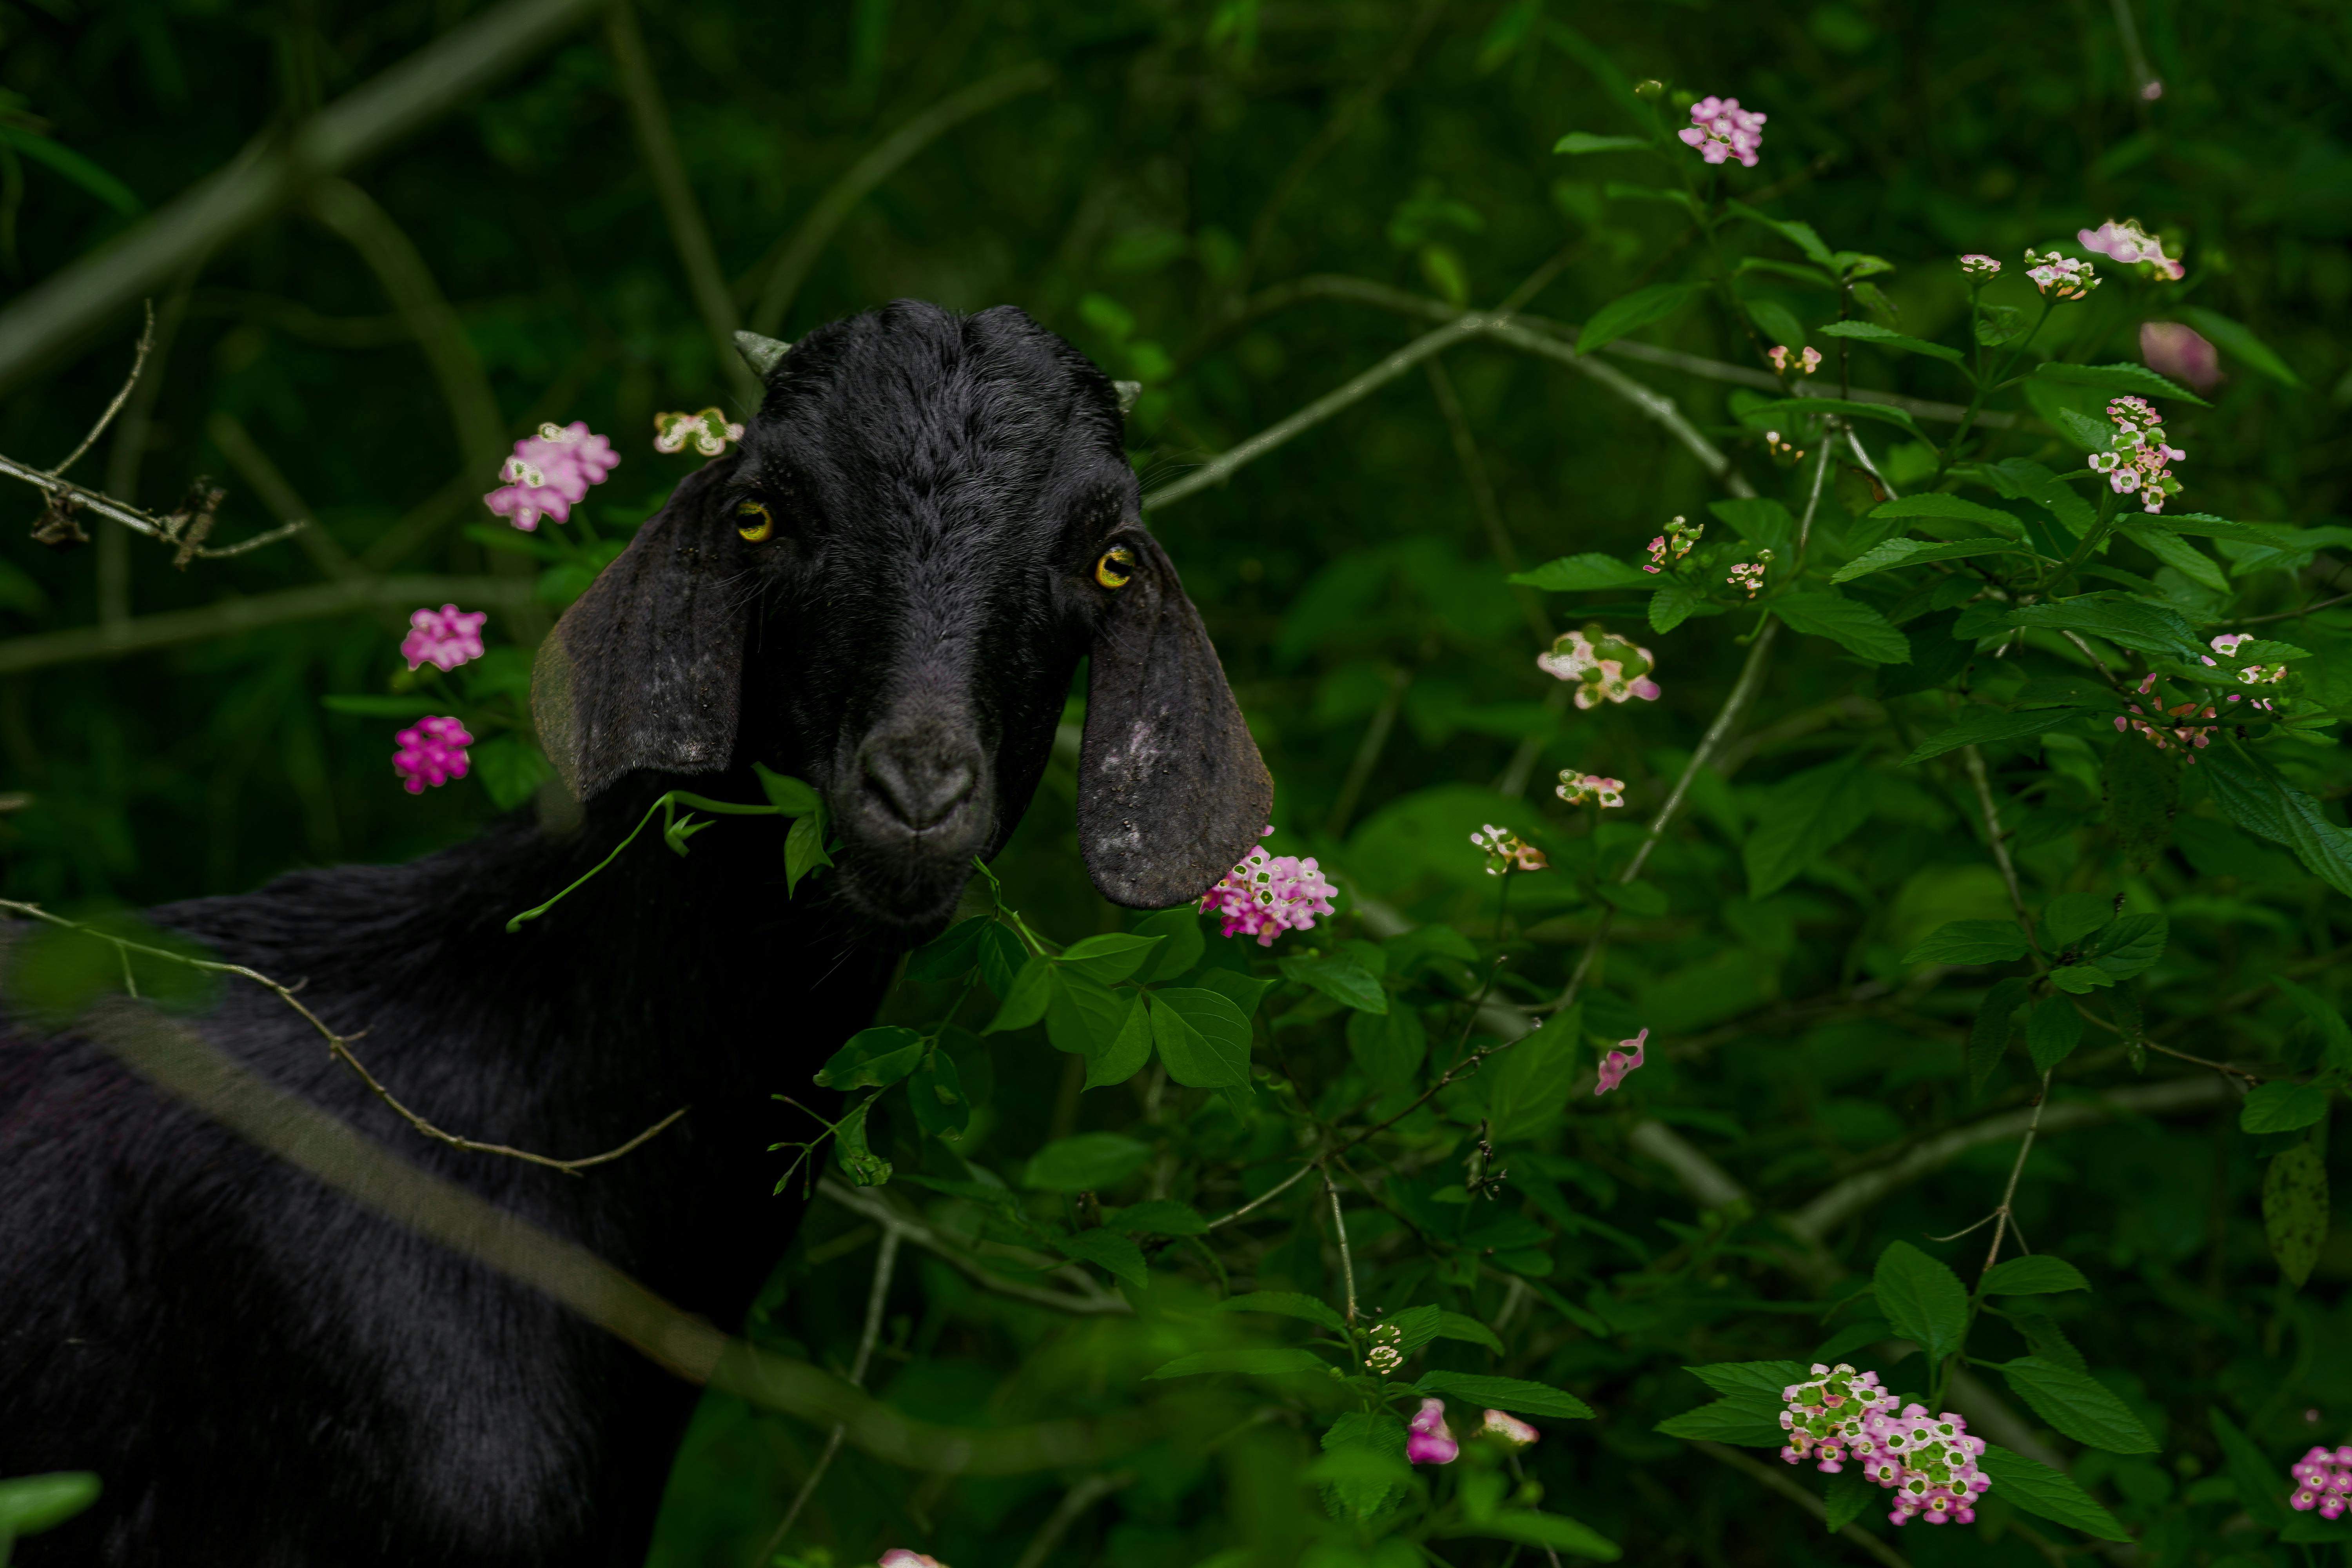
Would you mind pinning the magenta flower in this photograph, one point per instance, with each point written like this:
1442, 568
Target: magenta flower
432, 752
1264, 898
1979, 265
443, 638
1431, 1443
1617, 1064
2322, 1480
1721, 130
2128, 243
1929, 1463
550, 473
1508, 1429
2170, 349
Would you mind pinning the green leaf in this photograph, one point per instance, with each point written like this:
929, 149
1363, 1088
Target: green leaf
31, 1504
1804, 818
1527, 1087
1850, 1496
2241, 342
1582, 574
2126, 946
1634, 312
1580, 141
1387, 1046
2126, 623
1160, 1216
1923, 1299
1989, 1036
1725, 1421
2258, 800
864, 1167
1363, 1464
2174, 552
1288, 1304
1243, 991
511, 770
1123, 1055
1264, 1363
1893, 552
1202, 1038
2124, 378
1084, 1017
1114, 1254
788, 795
1883, 414
874, 1058
2040, 1491
2053, 1030
1676, 602
380, 707
1970, 941
1870, 331
2283, 1107
805, 850
2078, 1405
1339, 977
74, 167
2045, 1339
935, 1093
1182, 943
1530, 1527
1414, 1326
1756, 1384
2294, 1207
2029, 480
1850, 624
1514, 1395
1085, 1163
2042, 1274
1936, 506
2260, 1490
2335, 1036
1800, 235
950, 956
1110, 958
1468, 1329
1775, 322
1758, 519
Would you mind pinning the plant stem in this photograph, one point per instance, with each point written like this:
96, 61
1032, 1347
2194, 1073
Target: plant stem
1347, 1257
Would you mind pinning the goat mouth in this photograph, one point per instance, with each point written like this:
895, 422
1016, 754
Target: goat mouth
908, 883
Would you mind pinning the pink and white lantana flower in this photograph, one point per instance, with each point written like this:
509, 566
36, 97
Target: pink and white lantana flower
1263, 896
443, 638
1723, 131
1604, 667
550, 474
2128, 243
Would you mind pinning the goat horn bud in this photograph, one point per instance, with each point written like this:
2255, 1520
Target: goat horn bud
762, 354
1128, 391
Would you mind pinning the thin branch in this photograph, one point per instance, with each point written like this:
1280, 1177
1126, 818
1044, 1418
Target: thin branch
1271, 1193
138, 364
1777, 1481
1347, 1254
63, 308
1999, 842
1081, 1496
885, 1263
688, 231
868, 1206
276, 493
790, 268
2016, 1170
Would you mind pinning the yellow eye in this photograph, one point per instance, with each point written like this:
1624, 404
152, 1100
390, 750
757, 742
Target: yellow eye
753, 521
1116, 566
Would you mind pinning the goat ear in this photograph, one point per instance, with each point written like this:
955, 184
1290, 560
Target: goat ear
1171, 791
645, 668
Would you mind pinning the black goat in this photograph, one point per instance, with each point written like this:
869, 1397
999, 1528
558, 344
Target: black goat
885, 591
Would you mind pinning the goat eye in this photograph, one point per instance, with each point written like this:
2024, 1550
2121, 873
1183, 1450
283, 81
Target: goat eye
1116, 566
754, 521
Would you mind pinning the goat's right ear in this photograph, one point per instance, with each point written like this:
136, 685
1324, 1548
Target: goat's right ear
645, 668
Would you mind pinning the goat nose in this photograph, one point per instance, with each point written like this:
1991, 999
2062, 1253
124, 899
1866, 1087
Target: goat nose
918, 779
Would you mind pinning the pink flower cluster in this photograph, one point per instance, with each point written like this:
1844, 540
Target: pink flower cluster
1807, 363
2227, 646
443, 638
2061, 276
1430, 1441
2140, 460
1605, 668
900, 1557
2170, 721
1507, 852
1929, 1463
1618, 1063
2128, 243
1721, 130
2322, 1480
1979, 265
1747, 574
1264, 898
550, 473
1670, 547
1576, 788
432, 752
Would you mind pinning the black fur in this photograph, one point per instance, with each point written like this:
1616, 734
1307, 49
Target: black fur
266, 1373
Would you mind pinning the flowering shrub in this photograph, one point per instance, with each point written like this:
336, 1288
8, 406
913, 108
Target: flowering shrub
1263, 898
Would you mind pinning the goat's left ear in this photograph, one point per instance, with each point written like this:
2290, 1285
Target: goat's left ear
1171, 791
645, 668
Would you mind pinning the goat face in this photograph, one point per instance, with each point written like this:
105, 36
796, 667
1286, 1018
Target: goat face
929, 521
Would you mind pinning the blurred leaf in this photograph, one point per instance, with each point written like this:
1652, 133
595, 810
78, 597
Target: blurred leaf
2294, 1203
859, 1163
1581, 574
1341, 978
935, 1093
2040, 1491
510, 769
2240, 341
1528, 1085
1468, 1329
1117, 1255
1970, 941
1514, 1394
1555, 1530
2260, 1490
1086, 1163
1850, 624
1807, 816
2036, 1275
1256, 1362
1586, 142
2118, 378
873, 1059
1634, 312
1387, 1046
31, 1504
1871, 332
1160, 1216
1988, 1035
1725, 1421
2283, 1107
1877, 413
2053, 1030
2335, 1035
1957, 508
1288, 1304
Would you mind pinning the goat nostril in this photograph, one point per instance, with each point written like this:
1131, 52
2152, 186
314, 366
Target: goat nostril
920, 791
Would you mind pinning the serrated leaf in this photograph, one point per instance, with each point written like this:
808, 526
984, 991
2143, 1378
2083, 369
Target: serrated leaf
2294, 1209
1988, 1035
1725, 1421
1339, 977
873, 1059
1527, 1089
1891, 554
1110, 958
2283, 1107
2041, 1275
2045, 1493
2078, 1405
1934, 505
1287, 1304
2029, 480
1582, 574
1800, 235
2044, 1338
1674, 602
2053, 1030
1805, 816
1850, 624
2256, 799
2145, 629
2174, 552
1262, 1362
1633, 312
1114, 1254
1202, 1038
1881, 413
1970, 941
1363, 1464
1581, 142
1160, 1216
1922, 1300
2128, 944
1468, 1329
1514, 1395
1870, 331
1528, 1528
1759, 520
2136, 379
1756, 1383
